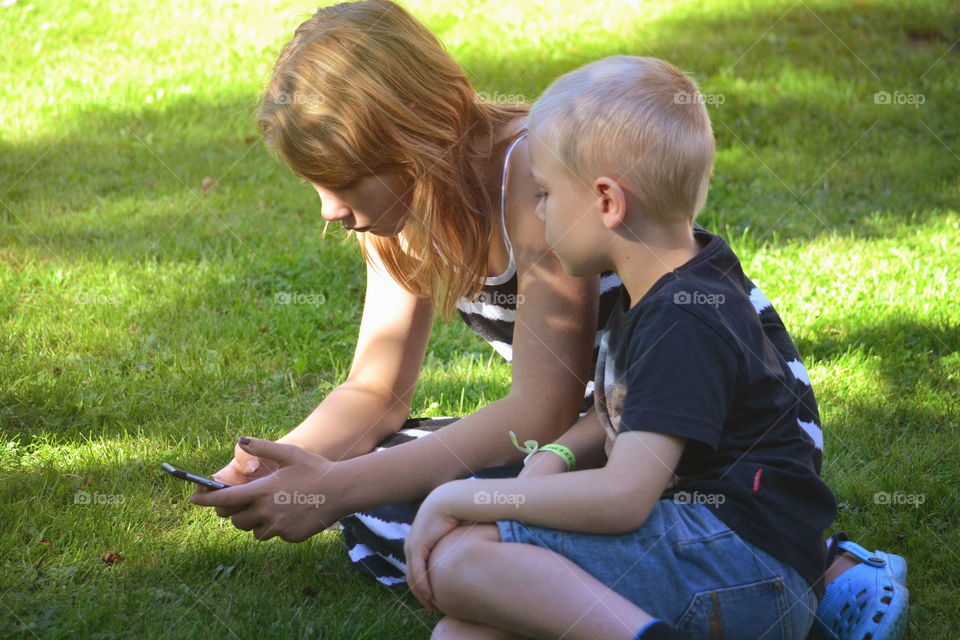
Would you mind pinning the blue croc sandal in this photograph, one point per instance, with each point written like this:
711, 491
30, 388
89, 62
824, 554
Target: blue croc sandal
868, 601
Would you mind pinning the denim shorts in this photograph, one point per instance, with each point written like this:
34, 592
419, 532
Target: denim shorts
686, 567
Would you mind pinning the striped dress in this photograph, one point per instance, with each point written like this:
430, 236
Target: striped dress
375, 538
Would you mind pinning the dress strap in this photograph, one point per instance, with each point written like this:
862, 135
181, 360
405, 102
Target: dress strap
512, 267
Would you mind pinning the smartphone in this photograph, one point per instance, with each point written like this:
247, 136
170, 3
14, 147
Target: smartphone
200, 480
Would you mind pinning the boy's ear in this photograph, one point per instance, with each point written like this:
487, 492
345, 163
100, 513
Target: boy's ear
613, 201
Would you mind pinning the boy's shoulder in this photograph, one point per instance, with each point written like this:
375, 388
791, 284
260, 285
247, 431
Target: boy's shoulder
710, 278
711, 287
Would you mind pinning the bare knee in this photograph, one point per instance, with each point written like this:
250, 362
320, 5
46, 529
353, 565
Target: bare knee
450, 628
458, 564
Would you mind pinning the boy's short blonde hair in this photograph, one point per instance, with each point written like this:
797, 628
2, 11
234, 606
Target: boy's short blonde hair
640, 120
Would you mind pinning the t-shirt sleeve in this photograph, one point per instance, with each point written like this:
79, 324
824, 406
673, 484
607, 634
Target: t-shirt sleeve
680, 376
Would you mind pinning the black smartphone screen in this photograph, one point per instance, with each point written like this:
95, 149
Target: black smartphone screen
192, 477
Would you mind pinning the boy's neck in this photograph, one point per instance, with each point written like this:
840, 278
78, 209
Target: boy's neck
642, 259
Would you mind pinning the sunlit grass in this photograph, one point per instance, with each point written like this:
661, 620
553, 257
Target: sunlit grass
141, 323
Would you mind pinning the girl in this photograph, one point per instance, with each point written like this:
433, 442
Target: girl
366, 106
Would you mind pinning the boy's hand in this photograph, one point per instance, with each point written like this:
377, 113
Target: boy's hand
431, 524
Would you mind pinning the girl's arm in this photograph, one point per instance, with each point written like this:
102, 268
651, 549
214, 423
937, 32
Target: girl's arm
374, 400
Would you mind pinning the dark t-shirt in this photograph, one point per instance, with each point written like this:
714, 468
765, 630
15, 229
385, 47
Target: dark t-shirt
704, 356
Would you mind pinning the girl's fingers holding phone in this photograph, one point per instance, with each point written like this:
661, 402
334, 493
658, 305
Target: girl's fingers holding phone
226, 512
231, 499
223, 512
244, 469
265, 532
229, 475
246, 519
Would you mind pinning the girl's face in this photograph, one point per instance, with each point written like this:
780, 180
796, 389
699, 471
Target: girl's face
379, 204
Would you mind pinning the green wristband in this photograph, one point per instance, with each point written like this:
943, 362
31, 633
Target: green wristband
563, 452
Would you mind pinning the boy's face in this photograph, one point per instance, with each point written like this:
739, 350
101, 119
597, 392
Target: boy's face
569, 207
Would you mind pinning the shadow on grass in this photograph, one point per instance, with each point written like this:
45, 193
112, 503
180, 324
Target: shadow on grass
910, 351
176, 570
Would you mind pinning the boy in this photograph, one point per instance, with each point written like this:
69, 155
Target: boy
699, 511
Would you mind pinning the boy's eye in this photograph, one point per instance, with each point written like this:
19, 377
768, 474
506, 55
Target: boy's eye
540, 195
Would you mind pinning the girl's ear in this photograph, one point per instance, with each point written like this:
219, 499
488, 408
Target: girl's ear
613, 201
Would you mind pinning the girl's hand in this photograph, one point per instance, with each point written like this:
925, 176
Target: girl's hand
432, 523
244, 467
285, 503
241, 470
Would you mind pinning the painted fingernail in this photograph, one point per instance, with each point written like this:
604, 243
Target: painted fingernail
244, 441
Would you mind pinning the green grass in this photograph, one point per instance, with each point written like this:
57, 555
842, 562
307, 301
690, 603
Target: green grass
139, 321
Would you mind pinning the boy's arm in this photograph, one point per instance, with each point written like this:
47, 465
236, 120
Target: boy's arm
585, 439
613, 499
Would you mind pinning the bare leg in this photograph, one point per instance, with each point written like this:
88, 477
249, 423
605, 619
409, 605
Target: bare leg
453, 629
525, 589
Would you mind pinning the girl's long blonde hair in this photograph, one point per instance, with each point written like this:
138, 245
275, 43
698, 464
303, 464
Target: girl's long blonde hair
364, 88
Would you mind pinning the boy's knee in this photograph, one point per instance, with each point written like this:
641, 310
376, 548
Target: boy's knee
456, 562
449, 628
